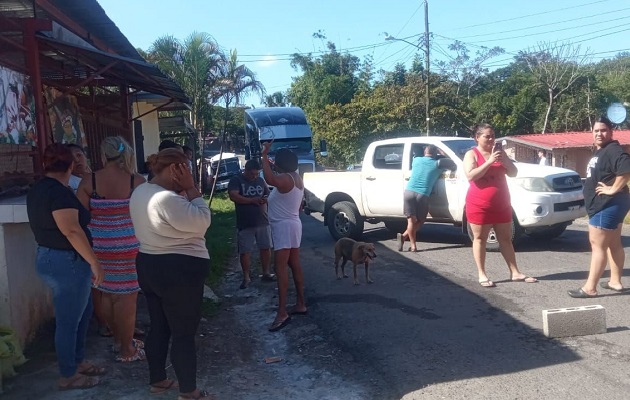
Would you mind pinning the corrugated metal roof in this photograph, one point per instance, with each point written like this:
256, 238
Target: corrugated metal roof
87, 62
567, 140
87, 14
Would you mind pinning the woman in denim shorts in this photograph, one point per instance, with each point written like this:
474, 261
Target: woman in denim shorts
607, 201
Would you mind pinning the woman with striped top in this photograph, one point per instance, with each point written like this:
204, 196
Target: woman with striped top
107, 195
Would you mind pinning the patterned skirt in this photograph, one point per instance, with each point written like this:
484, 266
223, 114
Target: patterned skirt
115, 244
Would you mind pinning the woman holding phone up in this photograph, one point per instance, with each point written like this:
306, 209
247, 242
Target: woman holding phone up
488, 203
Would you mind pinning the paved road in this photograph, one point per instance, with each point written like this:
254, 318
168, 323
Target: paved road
426, 330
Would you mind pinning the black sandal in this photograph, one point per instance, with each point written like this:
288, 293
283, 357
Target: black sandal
277, 325
581, 294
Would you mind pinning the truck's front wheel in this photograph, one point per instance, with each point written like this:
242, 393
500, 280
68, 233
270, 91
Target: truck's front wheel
492, 243
343, 220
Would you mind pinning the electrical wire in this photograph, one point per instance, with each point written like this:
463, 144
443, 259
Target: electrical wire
555, 23
553, 31
532, 15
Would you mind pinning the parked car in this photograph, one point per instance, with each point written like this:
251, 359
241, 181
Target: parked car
545, 200
230, 166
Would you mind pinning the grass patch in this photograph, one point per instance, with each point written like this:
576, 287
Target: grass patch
220, 237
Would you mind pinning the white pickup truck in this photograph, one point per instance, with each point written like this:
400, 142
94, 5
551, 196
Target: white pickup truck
545, 200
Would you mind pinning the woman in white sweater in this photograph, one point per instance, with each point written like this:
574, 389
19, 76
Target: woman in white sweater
172, 265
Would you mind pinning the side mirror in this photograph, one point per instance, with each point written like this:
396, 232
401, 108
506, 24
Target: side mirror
323, 150
447, 163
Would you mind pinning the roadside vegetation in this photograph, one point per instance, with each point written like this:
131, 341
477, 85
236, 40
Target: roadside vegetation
220, 237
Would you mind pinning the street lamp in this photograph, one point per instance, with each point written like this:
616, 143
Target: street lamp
426, 82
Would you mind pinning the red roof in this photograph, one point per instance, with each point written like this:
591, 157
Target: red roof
550, 141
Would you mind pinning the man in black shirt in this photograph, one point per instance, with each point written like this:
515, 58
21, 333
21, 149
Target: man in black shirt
249, 193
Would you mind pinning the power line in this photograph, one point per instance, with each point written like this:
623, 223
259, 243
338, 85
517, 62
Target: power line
553, 31
348, 49
555, 23
409, 20
533, 15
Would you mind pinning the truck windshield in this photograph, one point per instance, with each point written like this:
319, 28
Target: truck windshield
460, 147
298, 145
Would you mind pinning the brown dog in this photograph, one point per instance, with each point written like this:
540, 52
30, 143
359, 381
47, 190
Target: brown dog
358, 252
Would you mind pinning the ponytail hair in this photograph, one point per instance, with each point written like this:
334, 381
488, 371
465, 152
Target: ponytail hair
115, 149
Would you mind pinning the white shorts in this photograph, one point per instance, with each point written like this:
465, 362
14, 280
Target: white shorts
286, 234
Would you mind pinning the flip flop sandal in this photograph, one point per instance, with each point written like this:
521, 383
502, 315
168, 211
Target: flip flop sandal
487, 283
606, 285
138, 344
581, 294
139, 355
81, 382
159, 389
527, 279
400, 240
293, 311
92, 370
244, 285
201, 395
277, 325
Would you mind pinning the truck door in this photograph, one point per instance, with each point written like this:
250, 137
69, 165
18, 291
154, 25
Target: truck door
382, 180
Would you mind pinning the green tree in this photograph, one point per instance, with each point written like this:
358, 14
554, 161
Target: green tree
193, 63
233, 81
327, 79
276, 99
556, 66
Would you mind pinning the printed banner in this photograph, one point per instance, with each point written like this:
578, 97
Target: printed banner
65, 118
17, 108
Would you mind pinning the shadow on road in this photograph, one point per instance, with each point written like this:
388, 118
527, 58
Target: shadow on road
572, 240
416, 328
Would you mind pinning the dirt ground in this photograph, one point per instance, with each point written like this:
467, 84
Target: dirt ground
232, 347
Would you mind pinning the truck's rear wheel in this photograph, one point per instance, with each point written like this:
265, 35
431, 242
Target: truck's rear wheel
492, 244
343, 220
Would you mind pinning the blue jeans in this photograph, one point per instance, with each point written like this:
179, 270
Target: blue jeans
69, 277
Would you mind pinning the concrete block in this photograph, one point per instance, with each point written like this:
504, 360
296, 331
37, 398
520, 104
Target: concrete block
574, 321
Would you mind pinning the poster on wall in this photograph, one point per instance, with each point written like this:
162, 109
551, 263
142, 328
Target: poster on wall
65, 117
17, 108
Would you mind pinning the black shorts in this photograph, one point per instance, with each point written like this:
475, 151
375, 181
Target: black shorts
416, 204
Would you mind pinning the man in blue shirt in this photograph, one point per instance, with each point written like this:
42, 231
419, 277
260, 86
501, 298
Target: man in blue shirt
424, 173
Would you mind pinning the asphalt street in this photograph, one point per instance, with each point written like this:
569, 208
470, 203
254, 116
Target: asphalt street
427, 330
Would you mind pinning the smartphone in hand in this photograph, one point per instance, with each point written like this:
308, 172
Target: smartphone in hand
498, 146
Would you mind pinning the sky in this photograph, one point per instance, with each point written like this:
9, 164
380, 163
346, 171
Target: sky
266, 33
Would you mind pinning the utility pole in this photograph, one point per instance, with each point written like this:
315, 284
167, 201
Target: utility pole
426, 56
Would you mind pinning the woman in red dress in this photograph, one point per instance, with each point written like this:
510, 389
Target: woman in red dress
488, 202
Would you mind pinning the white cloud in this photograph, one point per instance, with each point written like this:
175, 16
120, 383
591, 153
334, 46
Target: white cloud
267, 61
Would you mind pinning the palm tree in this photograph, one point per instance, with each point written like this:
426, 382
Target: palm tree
193, 64
235, 81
